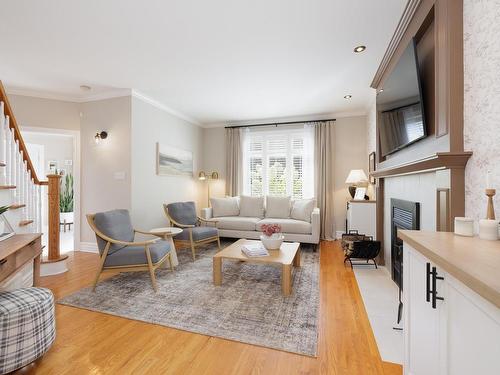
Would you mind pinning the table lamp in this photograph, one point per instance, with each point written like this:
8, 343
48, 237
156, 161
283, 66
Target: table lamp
355, 178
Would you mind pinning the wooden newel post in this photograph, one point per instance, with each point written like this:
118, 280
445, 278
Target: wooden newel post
53, 193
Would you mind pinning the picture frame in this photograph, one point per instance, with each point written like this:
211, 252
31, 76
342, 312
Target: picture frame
52, 166
371, 167
6, 230
360, 194
172, 161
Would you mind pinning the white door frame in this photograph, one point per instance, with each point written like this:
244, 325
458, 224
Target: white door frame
76, 171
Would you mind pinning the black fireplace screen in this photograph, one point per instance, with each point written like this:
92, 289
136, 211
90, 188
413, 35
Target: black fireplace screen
404, 215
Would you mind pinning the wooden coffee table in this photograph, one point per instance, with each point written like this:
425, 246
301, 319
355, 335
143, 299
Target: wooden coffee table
288, 254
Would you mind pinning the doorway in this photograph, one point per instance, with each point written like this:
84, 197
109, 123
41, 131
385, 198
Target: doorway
57, 151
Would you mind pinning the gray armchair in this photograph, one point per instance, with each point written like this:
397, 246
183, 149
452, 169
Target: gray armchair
118, 250
195, 230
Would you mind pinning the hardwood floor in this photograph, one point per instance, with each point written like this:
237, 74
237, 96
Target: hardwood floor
94, 343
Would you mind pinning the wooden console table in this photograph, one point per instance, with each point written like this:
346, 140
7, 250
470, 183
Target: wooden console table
18, 250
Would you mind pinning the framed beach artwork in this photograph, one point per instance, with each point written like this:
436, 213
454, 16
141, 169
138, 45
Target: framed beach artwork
172, 161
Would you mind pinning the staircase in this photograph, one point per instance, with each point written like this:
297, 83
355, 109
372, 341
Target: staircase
20, 187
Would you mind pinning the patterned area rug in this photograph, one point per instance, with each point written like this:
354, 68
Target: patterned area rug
248, 307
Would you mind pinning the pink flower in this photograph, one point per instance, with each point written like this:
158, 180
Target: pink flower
270, 229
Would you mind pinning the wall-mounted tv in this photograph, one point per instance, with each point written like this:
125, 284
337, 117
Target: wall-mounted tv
400, 108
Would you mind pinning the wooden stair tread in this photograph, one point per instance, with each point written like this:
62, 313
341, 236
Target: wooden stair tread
16, 206
5, 187
23, 223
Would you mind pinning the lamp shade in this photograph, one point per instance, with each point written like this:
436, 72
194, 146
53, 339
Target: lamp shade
356, 176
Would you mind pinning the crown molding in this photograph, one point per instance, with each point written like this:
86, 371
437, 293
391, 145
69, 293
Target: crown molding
404, 21
113, 93
155, 103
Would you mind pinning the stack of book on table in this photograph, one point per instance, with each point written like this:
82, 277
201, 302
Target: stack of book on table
254, 250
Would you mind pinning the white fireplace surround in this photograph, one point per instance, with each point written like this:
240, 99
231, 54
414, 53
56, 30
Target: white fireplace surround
420, 188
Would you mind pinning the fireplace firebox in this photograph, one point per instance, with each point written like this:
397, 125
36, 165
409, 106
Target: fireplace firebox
404, 215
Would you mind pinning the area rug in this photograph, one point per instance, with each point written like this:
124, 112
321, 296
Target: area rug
248, 307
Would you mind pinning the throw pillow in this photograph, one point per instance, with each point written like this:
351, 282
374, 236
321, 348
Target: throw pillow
302, 209
225, 206
251, 206
278, 207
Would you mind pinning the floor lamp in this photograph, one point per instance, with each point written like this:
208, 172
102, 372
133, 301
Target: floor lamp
202, 176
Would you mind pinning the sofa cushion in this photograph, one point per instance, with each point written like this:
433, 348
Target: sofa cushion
278, 207
288, 225
237, 223
225, 206
251, 206
302, 209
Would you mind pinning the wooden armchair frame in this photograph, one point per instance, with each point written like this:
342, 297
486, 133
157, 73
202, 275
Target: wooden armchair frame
149, 266
191, 242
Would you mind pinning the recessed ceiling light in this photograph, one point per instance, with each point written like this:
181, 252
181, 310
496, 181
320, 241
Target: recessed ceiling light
348, 97
359, 49
85, 88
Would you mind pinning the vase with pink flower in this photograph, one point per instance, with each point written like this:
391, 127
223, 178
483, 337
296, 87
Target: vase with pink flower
271, 237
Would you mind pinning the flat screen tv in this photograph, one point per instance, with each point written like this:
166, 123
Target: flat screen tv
400, 107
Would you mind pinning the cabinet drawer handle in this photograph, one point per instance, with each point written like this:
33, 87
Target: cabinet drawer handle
428, 283
3, 261
32, 243
435, 296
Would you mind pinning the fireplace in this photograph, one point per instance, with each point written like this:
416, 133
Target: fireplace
404, 215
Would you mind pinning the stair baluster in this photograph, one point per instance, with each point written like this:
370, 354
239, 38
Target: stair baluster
18, 174
3, 145
9, 163
25, 190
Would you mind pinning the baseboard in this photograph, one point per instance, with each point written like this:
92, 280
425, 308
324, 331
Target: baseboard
384, 268
88, 247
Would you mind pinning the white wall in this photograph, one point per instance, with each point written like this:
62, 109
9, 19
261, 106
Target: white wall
58, 147
214, 159
101, 188
45, 113
350, 153
148, 190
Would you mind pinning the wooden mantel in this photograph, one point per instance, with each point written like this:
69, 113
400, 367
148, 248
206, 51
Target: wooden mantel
440, 160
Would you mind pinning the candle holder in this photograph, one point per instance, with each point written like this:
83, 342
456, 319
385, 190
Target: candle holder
490, 211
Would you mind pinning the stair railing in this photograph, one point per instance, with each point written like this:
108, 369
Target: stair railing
18, 175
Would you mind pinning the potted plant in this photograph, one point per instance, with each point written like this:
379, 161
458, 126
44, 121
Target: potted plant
271, 236
66, 200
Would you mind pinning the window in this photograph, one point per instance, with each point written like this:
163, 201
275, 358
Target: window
278, 162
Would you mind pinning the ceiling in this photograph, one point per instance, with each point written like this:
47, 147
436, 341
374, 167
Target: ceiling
212, 61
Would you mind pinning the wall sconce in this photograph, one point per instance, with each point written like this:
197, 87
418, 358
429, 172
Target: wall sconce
202, 176
98, 136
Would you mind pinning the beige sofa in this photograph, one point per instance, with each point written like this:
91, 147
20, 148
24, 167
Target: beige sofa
242, 217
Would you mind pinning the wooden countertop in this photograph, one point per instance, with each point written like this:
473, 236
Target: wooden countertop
16, 242
474, 262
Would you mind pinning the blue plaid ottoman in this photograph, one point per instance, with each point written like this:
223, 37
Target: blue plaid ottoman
27, 326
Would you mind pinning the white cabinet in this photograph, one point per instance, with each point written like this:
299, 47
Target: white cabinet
361, 216
459, 334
